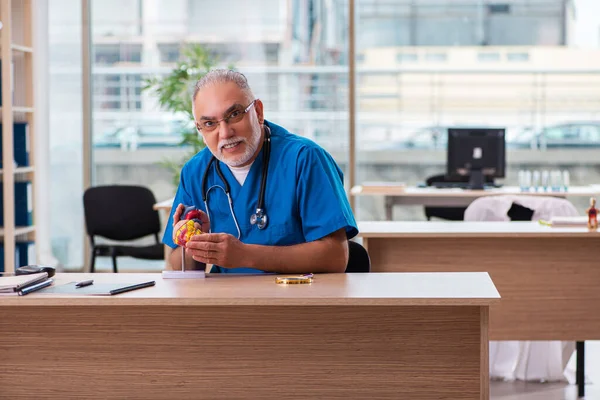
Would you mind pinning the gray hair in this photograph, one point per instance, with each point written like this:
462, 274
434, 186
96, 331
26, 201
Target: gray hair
223, 76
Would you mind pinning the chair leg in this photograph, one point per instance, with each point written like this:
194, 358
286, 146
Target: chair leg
580, 370
114, 260
93, 261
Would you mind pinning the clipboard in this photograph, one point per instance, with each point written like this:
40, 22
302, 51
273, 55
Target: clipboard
97, 289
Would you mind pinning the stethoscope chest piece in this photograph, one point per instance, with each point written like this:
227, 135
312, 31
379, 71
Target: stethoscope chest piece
259, 219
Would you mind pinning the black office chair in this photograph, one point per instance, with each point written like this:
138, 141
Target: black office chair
447, 213
358, 258
121, 213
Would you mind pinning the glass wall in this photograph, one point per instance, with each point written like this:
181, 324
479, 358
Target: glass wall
66, 159
294, 54
530, 67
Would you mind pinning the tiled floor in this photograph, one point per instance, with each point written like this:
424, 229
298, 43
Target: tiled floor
539, 391
519, 390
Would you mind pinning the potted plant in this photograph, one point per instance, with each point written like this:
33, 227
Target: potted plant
174, 92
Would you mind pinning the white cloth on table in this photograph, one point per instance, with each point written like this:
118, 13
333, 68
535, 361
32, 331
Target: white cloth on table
527, 360
494, 208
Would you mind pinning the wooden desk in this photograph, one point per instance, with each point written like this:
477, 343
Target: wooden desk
353, 336
548, 277
401, 195
164, 205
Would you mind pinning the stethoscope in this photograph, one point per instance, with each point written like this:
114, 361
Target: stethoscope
259, 218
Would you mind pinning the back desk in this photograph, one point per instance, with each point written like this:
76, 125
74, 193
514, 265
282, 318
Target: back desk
353, 336
397, 194
549, 278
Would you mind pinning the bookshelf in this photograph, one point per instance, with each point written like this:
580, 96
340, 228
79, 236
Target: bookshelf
18, 131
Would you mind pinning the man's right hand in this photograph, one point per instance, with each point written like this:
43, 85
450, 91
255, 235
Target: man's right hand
204, 226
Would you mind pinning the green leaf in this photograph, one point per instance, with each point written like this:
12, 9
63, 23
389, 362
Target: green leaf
174, 93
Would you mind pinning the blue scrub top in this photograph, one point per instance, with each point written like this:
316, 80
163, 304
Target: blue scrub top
304, 195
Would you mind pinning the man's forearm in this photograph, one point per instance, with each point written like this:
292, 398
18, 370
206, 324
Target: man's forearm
327, 255
190, 263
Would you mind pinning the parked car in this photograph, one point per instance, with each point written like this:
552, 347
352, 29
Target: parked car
429, 137
144, 134
521, 138
436, 137
570, 134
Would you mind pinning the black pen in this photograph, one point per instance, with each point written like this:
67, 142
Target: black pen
132, 287
36, 287
84, 283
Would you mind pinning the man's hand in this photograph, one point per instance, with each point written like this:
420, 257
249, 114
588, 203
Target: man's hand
178, 222
221, 249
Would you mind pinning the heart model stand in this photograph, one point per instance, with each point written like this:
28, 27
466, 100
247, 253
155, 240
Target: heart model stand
190, 213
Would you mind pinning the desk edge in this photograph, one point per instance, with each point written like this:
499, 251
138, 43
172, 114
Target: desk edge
42, 300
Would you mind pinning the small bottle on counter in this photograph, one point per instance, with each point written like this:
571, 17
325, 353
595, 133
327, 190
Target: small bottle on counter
592, 214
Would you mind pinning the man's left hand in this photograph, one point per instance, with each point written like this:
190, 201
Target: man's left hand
221, 249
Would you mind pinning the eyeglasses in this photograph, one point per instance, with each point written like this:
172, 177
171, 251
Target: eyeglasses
231, 118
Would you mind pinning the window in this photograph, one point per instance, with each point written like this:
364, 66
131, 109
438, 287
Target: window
517, 57
169, 52
65, 137
436, 57
295, 60
487, 57
434, 65
590, 133
407, 57
499, 8
111, 54
563, 132
117, 91
422, 67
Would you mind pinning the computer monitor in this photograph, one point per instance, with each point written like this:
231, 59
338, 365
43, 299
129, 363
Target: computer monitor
477, 153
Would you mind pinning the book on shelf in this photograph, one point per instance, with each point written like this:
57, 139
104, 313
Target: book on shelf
21, 146
25, 253
23, 204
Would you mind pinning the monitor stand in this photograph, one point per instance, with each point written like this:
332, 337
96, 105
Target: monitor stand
476, 179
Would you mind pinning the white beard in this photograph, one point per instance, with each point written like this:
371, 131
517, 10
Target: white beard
251, 146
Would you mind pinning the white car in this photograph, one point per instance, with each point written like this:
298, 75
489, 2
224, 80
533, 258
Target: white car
145, 134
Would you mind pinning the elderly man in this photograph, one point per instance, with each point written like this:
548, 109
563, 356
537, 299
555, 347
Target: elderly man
270, 201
